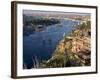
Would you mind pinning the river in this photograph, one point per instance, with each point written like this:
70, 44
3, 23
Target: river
41, 44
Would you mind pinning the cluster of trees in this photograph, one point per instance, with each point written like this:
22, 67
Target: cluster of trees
28, 20
82, 30
64, 60
85, 25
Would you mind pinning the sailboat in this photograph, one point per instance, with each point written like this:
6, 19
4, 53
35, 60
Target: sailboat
64, 34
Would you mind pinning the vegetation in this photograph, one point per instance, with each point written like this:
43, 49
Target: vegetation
84, 25
28, 20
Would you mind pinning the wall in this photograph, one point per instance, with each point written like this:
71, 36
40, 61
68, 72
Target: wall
5, 40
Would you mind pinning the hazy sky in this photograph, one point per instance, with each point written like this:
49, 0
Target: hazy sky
36, 12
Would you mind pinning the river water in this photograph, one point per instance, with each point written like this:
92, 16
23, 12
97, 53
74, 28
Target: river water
41, 44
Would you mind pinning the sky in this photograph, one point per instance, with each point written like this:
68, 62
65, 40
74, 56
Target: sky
53, 13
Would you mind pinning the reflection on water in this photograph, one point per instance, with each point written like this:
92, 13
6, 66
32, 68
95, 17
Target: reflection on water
41, 44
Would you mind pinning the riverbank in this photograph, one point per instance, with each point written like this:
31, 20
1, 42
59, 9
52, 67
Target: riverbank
74, 49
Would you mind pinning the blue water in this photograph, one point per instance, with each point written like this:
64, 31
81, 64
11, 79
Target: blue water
43, 43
